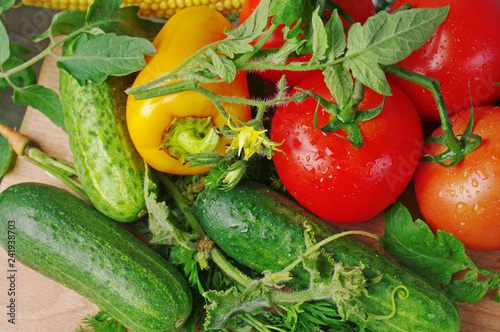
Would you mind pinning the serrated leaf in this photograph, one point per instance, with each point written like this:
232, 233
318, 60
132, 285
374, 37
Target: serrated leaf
336, 39
368, 72
161, 228
254, 25
389, 38
340, 83
231, 47
225, 304
470, 291
110, 16
43, 99
223, 67
288, 11
283, 53
62, 24
4, 44
238, 40
95, 58
386, 39
319, 38
7, 155
415, 246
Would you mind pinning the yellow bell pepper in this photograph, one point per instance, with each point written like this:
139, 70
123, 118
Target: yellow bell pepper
183, 115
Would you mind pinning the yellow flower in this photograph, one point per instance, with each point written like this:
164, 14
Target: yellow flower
250, 140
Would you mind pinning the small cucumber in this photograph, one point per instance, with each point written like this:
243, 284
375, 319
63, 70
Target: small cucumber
63, 238
264, 230
109, 168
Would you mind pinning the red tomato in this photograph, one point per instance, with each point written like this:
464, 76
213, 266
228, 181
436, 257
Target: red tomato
464, 199
358, 10
465, 48
331, 178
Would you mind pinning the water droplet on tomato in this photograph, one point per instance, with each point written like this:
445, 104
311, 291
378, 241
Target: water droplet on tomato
461, 207
451, 192
474, 183
309, 167
478, 209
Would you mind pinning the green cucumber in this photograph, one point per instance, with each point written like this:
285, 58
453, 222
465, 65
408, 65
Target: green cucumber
264, 230
63, 238
108, 166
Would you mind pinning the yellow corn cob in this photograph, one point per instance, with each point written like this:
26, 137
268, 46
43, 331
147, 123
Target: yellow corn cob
148, 8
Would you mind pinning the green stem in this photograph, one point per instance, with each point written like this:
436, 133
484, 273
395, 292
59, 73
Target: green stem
167, 89
255, 323
433, 86
228, 268
182, 202
60, 169
348, 113
40, 56
171, 74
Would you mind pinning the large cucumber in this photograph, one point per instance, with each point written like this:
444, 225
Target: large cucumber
109, 168
63, 238
265, 231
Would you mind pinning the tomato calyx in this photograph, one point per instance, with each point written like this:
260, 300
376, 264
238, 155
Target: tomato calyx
347, 117
190, 135
467, 141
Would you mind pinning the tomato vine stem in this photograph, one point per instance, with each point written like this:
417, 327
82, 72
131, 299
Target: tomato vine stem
457, 148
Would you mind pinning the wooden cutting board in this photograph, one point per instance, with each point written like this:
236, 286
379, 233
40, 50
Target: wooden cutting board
43, 305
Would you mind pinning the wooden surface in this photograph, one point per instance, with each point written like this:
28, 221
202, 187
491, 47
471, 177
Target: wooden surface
45, 306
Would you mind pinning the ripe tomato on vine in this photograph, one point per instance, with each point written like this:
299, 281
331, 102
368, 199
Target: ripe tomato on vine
464, 199
464, 49
327, 174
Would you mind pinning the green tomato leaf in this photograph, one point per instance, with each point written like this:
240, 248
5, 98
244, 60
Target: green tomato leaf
43, 99
7, 155
386, 39
319, 38
95, 58
62, 24
335, 37
368, 72
222, 66
225, 304
238, 39
470, 291
289, 11
23, 77
389, 38
110, 16
6, 5
16, 50
436, 258
416, 247
4, 44
340, 83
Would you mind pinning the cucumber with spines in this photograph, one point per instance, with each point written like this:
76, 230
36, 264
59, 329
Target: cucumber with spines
263, 230
109, 167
